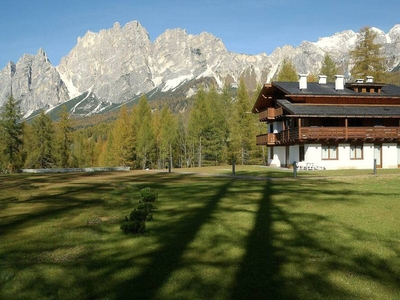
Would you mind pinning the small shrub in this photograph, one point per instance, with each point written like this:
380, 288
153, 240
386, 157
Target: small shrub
136, 222
138, 215
129, 226
148, 208
148, 195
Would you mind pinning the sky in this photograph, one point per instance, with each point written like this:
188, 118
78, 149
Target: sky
250, 27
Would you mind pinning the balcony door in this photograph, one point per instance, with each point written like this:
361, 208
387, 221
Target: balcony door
378, 155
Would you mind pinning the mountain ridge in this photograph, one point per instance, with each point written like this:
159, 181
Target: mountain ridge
119, 64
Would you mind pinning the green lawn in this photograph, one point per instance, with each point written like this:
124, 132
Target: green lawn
325, 235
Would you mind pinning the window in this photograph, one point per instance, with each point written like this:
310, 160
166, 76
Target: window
356, 152
329, 152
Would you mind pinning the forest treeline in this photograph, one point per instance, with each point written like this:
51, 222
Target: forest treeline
216, 129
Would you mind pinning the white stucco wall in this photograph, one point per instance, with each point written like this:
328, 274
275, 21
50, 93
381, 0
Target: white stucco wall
389, 155
313, 154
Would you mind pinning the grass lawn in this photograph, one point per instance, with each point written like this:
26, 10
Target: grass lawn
325, 235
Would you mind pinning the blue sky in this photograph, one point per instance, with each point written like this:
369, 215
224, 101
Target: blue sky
250, 27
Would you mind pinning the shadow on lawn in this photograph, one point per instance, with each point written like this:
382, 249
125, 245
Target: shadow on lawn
169, 256
290, 253
297, 255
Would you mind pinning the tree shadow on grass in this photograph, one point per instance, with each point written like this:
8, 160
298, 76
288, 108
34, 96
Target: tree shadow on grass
259, 273
168, 257
293, 254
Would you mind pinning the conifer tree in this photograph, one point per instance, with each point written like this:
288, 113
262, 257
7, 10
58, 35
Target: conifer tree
64, 139
41, 147
242, 127
329, 68
196, 126
287, 72
168, 134
367, 57
182, 140
143, 131
122, 146
216, 127
11, 130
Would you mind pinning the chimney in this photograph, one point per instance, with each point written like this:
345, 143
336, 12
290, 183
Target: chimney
359, 80
322, 79
302, 81
339, 82
370, 79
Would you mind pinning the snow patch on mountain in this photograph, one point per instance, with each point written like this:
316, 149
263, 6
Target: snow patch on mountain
172, 84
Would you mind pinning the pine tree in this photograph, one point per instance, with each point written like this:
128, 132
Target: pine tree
367, 57
329, 68
287, 72
11, 140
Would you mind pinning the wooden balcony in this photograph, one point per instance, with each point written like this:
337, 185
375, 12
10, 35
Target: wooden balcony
270, 114
310, 134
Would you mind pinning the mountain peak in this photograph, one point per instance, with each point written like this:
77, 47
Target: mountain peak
120, 63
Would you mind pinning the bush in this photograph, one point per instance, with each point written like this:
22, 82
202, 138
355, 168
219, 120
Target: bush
136, 223
148, 208
148, 195
130, 226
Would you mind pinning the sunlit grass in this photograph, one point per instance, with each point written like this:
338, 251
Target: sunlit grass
328, 235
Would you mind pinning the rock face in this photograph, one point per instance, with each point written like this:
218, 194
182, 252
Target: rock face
118, 64
33, 81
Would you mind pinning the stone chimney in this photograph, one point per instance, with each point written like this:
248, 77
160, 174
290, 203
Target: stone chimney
322, 79
339, 82
370, 79
302, 81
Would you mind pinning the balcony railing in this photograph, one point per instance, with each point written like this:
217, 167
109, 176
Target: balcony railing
329, 133
270, 114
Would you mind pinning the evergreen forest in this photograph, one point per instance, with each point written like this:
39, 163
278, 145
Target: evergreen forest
215, 129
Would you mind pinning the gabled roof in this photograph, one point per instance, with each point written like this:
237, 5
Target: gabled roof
355, 111
281, 90
328, 89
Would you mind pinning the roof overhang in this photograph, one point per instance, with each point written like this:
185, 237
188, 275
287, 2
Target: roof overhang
339, 111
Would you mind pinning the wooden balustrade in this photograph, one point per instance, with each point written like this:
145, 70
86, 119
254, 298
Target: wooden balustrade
270, 114
329, 133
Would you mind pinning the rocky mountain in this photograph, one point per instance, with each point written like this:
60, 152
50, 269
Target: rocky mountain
117, 65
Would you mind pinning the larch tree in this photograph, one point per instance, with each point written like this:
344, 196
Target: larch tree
64, 139
243, 126
287, 72
11, 131
168, 135
122, 133
143, 131
366, 56
216, 131
329, 68
197, 126
183, 143
41, 153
